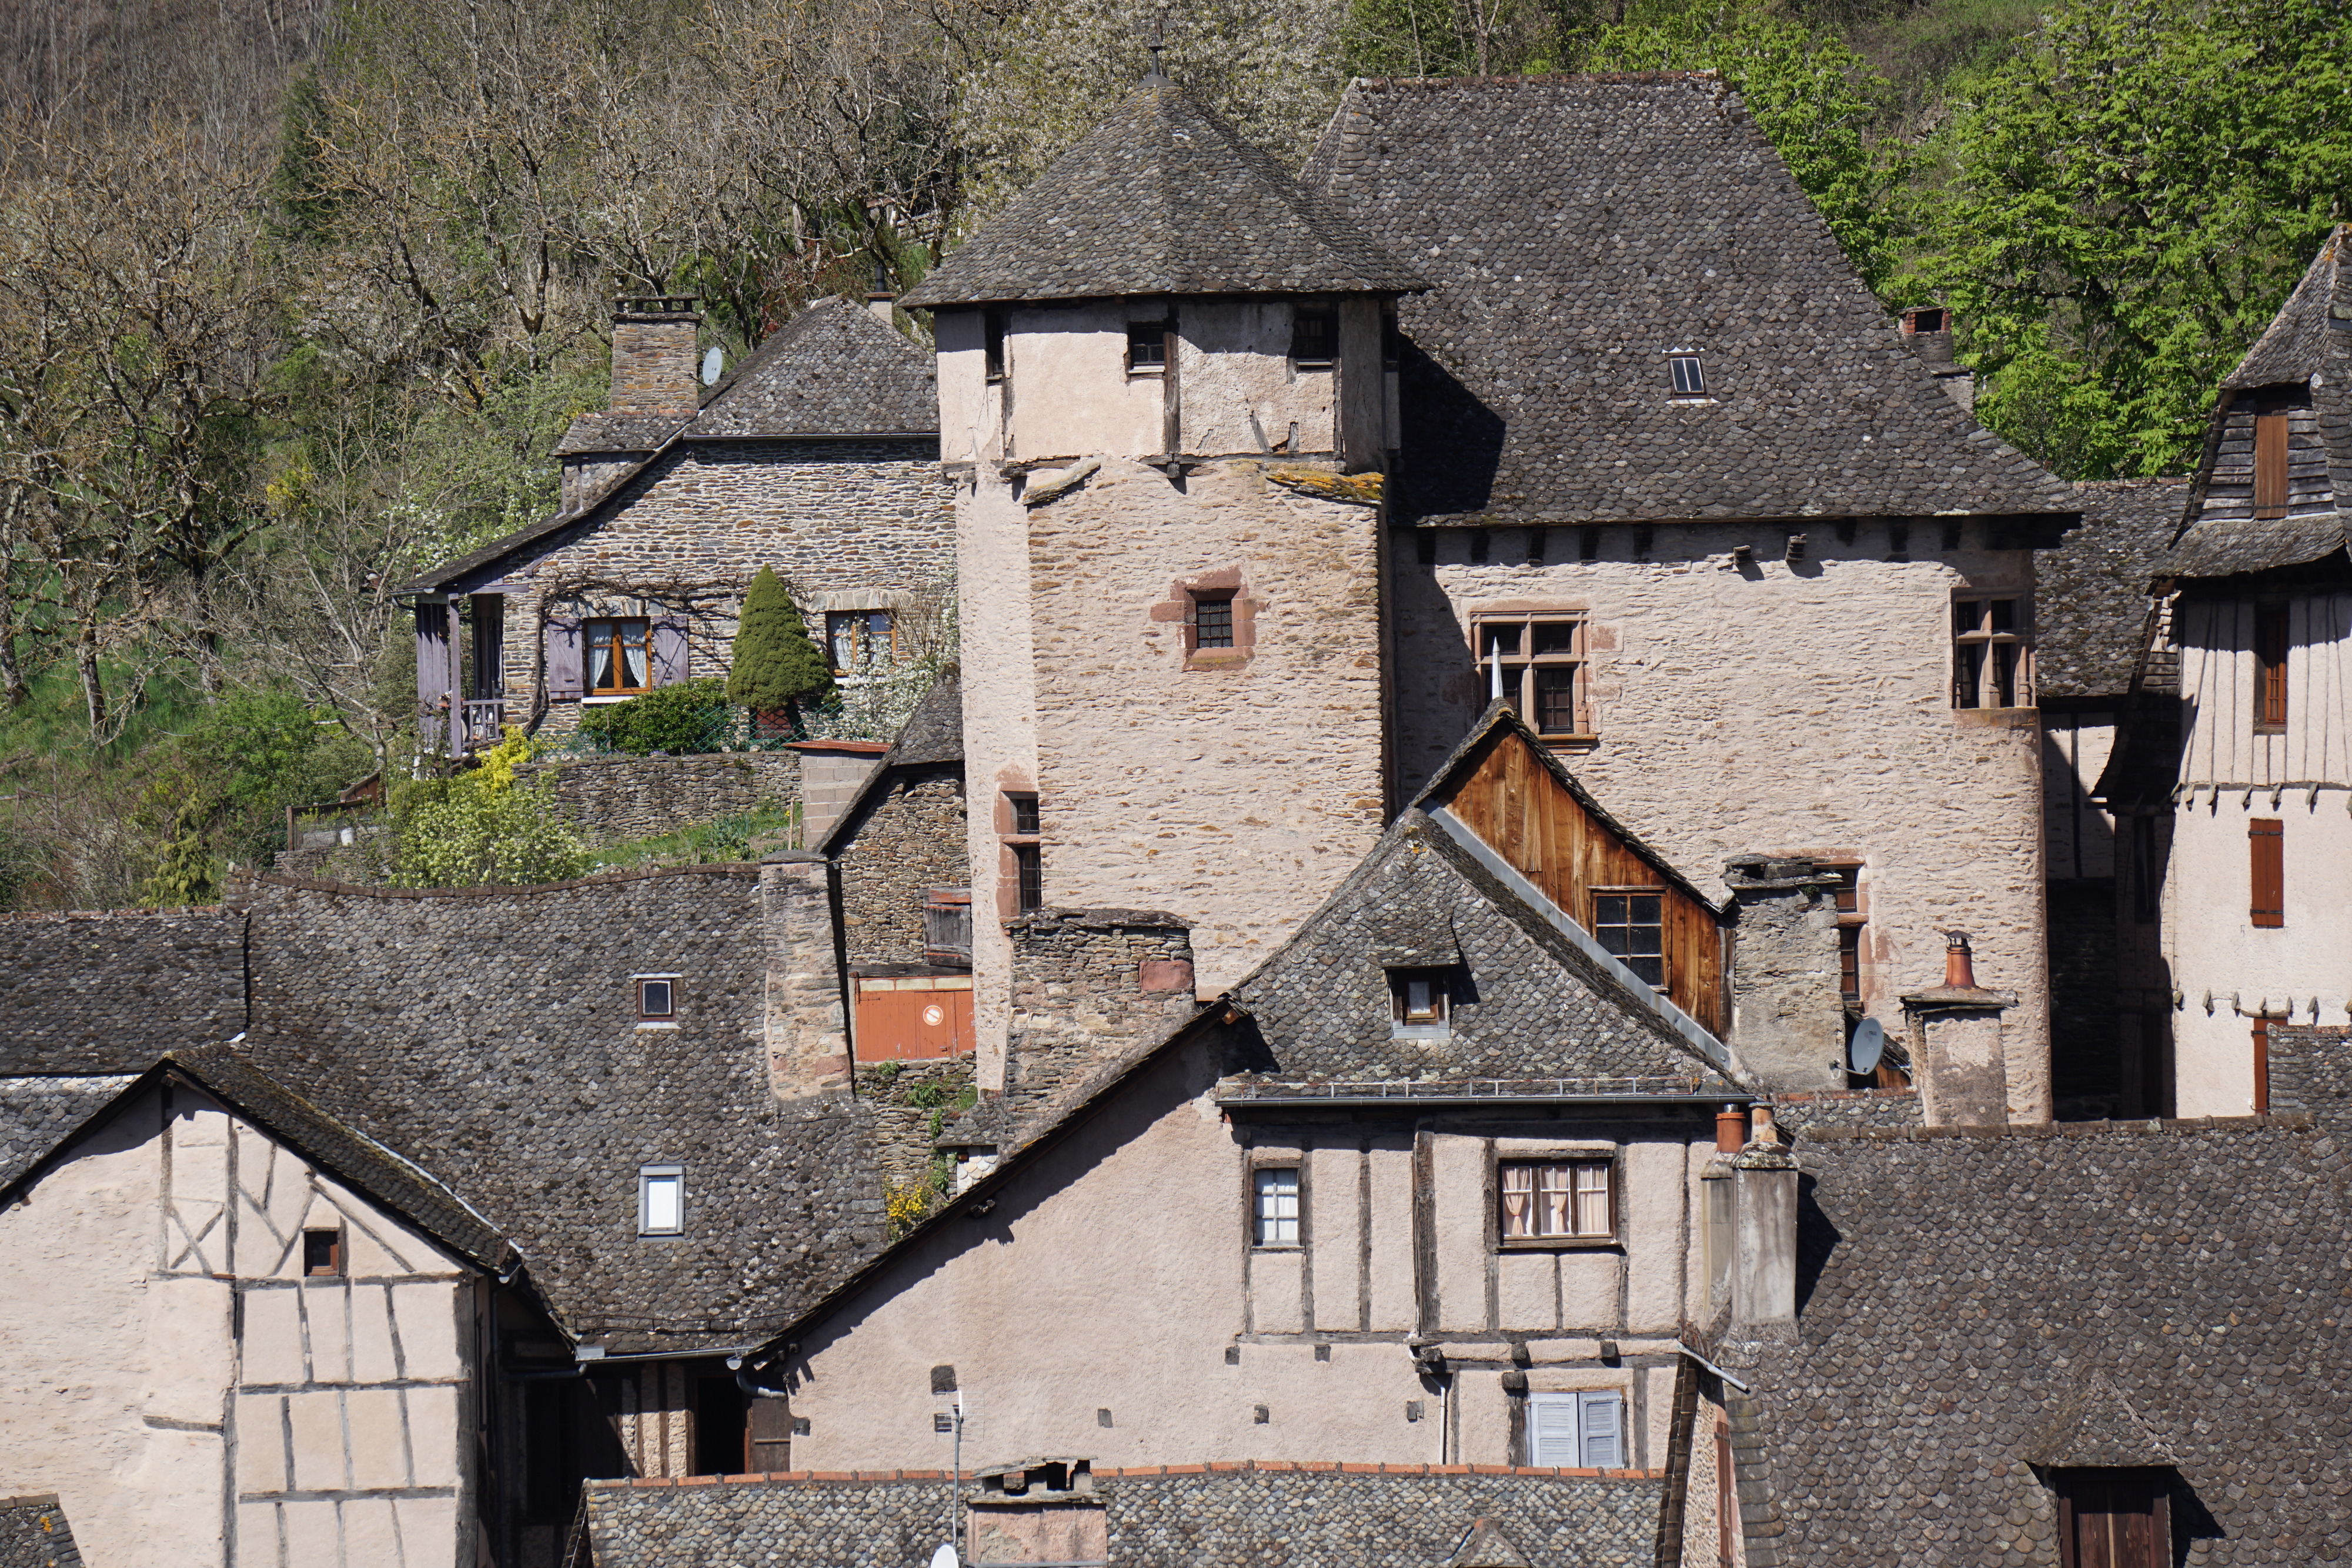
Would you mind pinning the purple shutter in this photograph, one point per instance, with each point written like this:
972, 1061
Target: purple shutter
669, 652
562, 642
432, 653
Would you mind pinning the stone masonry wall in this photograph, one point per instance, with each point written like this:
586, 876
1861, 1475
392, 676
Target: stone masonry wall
911, 841
903, 1128
860, 520
1749, 706
1088, 984
614, 799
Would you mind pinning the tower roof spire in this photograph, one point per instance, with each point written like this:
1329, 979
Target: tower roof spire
1156, 42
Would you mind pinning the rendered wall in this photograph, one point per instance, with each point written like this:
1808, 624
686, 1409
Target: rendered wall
1762, 707
1109, 1302
166, 1368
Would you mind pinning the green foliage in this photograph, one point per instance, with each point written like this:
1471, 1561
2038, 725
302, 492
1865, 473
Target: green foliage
2130, 198
777, 668
1816, 101
723, 842
484, 827
683, 720
883, 1074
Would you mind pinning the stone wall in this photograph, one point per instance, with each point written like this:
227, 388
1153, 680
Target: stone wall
109, 992
2311, 1069
1744, 704
910, 841
611, 799
1088, 984
903, 1128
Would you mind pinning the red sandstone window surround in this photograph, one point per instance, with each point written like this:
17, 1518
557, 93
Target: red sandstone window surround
1544, 666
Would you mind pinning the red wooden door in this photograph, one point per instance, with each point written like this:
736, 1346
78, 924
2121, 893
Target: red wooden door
898, 1024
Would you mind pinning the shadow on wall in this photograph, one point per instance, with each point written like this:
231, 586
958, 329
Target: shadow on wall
1452, 441
1817, 1241
1439, 695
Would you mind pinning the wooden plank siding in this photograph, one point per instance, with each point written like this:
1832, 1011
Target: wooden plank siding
1512, 800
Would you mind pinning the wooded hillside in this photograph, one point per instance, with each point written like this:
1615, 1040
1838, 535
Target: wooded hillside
295, 295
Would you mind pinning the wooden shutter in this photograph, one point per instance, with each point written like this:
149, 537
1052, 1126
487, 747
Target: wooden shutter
772, 1433
432, 652
2270, 665
2261, 1066
1551, 1429
669, 652
2270, 465
2266, 837
1600, 1430
2113, 1518
562, 644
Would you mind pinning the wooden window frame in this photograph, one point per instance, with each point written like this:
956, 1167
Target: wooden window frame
2065, 1481
645, 985
1969, 686
589, 642
2262, 1043
1155, 341
1259, 1218
861, 636
1853, 906
2272, 644
2274, 439
2266, 872
1665, 965
1610, 1162
1019, 832
993, 354
1438, 1017
1299, 316
1521, 665
333, 1266
1028, 877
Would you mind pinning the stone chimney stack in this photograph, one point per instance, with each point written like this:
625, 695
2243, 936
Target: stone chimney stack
1928, 330
1764, 1238
1787, 1013
806, 1024
1956, 1044
653, 355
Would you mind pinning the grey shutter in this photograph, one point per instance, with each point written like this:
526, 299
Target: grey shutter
1551, 1429
562, 644
669, 652
1601, 1418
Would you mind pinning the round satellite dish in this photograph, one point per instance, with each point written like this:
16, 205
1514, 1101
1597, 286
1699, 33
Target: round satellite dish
712, 363
945, 1557
1869, 1043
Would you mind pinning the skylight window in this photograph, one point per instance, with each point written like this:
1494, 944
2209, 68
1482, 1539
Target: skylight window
661, 1200
1690, 377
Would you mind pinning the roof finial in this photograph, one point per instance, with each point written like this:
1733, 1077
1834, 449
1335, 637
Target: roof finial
1158, 41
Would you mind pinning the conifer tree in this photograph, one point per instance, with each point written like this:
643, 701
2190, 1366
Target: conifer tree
777, 669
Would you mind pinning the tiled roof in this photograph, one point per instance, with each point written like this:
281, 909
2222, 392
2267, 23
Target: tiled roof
36, 1114
109, 992
2311, 337
1262, 1515
932, 737
489, 1035
1966, 1294
1162, 197
2090, 599
619, 434
1536, 1005
1576, 230
34, 1533
833, 370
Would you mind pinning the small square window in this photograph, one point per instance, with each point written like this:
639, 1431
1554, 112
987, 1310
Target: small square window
1557, 1200
1025, 813
1418, 999
1631, 928
1690, 378
661, 1200
658, 1000
1147, 348
1212, 620
1314, 339
323, 1253
1277, 1206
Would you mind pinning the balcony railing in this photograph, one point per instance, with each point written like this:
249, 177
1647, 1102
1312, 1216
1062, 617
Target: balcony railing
477, 726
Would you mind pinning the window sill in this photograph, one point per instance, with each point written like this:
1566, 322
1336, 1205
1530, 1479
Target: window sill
1216, 658
2270, 730
1691, 401
1146, 373
649, 1024
1564, 1244
614, 697
1277, 1247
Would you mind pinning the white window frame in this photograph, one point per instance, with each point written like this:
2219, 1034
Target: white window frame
1595, 1435
1268, 1198
638, 982
648, 1178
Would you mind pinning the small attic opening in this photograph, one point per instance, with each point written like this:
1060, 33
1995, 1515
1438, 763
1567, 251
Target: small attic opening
1314, 337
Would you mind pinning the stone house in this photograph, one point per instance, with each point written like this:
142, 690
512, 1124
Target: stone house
818, 457
1252, 530
2239, 746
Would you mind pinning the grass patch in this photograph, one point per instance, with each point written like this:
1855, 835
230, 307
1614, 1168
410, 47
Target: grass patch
719, 843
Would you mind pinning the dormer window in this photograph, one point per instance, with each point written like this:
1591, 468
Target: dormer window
1417, 1000
1690, 375
1147, 348
661, 1200
1314, 337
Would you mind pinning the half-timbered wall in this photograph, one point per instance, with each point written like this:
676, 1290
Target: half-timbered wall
169, 1368
1512, 801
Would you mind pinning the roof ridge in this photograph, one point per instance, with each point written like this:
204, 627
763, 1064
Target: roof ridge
2278, 1121
1132, 1472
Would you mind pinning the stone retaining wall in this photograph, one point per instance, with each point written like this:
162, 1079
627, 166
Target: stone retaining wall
612, 800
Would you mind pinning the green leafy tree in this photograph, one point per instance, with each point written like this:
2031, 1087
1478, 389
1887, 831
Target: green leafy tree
2129, 197
487, 826
776, 669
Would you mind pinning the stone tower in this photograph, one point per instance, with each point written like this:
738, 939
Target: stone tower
1164, 403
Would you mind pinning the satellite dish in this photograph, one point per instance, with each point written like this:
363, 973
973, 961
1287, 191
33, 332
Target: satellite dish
712, 363
945, 1557
1869, 1043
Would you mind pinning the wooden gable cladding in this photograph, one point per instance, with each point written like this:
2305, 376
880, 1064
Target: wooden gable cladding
1512, 800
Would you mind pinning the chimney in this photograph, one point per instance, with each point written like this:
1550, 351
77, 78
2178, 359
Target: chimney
1956, 1044
1764, 1238
879, 300
654, 368
1928, 330
1788, 1010
807, 1026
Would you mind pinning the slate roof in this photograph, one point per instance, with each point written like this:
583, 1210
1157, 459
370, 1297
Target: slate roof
1265, 1515
1963, 1294
2310, 336
2091, 600
1578, 228
1162, 197
489, 1035
34, 1533
932, 737
618, 433
1537, 1006
36, 1114
112, 992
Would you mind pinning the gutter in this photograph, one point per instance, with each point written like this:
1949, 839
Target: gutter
1244, 1101
1710, 1367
